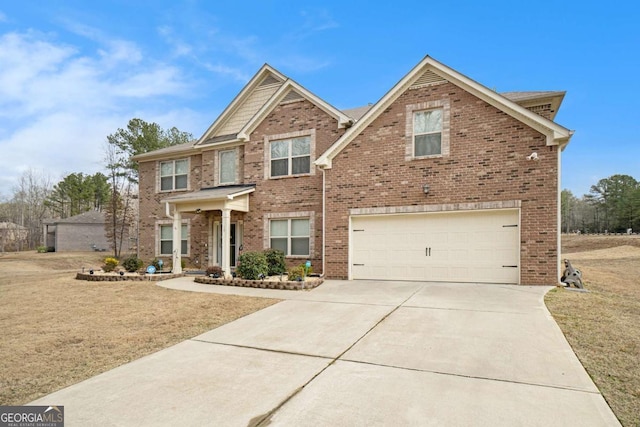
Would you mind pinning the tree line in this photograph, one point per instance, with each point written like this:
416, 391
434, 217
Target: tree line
35, 198
612, 206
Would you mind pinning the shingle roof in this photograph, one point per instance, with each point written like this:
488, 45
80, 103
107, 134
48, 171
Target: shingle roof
167, 150
356, 113
525, 96
90, 217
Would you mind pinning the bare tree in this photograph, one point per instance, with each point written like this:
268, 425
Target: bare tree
27, 207
119, 209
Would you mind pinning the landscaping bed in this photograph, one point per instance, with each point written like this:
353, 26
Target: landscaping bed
117, 277
267, 283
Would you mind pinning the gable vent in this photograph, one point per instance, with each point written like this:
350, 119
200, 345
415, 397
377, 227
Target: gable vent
269, 80
429, 77
292, 96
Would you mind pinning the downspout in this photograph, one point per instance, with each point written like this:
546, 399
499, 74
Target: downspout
324, 222
559, 218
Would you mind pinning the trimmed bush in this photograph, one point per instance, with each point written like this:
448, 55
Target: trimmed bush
110, 264
296, 273
214, 271
275, 262
132, 264
252, 266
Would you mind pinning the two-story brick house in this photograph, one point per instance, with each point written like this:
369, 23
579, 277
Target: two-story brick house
442, 179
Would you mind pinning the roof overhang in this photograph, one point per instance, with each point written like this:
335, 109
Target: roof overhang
234, 198
172, 152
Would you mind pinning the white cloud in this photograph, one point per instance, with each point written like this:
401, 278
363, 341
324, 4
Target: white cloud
58, 103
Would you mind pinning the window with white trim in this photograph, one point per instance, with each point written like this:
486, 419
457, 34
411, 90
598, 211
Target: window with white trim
427, 133
174, 175
166, 240
291, 236
227, 167
290, 157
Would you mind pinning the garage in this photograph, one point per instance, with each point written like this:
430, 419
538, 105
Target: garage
470, 246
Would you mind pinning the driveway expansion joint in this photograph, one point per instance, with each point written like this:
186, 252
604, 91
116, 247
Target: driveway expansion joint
473, 377
270, 350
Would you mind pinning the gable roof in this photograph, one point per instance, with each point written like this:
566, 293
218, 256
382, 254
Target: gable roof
89, 217
291, 89
429, 71
252, 97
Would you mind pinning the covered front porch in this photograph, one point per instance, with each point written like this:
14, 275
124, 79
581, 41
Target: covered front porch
223, 199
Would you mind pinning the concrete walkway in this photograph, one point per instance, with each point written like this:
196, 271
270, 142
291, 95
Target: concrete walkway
359, 353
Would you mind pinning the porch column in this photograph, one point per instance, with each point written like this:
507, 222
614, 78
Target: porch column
177, 242
226, 240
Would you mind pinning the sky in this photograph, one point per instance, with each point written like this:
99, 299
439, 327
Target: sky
73, 72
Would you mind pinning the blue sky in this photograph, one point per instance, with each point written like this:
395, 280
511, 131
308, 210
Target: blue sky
73, 72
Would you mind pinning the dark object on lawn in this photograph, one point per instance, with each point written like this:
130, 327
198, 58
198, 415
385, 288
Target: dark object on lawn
571, 276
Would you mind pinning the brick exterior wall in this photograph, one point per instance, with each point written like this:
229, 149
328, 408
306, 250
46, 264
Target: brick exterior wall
82, 237
152, 213
287, 195
486, 163
272, 197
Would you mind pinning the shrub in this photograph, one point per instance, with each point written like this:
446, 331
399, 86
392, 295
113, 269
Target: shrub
110, 264
296, 273
132, 264
252, 265
214, 271
275, 261
41, 249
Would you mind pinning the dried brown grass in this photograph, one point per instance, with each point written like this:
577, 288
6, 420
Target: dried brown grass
57, 331
603, 325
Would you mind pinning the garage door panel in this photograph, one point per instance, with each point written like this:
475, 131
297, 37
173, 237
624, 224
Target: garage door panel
465, 247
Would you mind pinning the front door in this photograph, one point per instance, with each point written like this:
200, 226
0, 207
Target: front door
233, 247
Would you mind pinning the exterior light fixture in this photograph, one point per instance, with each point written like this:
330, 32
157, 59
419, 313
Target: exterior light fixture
198, 211
533, 156
425, 188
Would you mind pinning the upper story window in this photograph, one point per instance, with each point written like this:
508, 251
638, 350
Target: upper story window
173, 175
291, 156
227, 167
427, 133
427, 130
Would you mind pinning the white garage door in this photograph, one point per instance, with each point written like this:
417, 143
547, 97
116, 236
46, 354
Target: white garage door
479, 246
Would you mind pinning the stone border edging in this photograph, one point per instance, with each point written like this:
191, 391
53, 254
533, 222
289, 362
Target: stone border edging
262, 284
126, 277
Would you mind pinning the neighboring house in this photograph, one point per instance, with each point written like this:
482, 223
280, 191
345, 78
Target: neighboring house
442, 179
84, 232
12, 236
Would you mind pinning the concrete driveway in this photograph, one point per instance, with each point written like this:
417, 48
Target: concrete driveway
358, 353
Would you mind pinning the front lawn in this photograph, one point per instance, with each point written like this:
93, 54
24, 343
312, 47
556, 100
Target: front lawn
57, 331
603, 325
